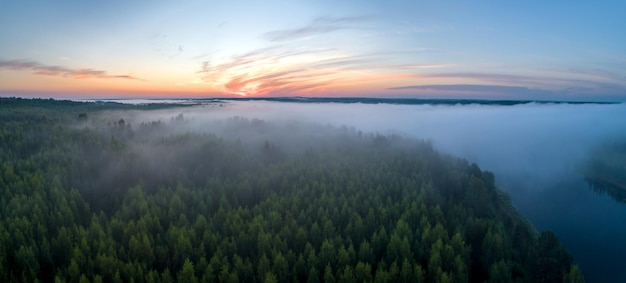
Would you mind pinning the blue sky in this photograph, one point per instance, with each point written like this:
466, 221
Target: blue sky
563, 50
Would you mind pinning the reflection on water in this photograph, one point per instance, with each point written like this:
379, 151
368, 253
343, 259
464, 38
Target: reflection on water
605, 170
590, 226
602, 187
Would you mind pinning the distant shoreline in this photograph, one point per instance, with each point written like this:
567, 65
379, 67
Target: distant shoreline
344, 100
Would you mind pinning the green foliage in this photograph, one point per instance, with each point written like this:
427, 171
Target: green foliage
187, 273
83, 200
574, 275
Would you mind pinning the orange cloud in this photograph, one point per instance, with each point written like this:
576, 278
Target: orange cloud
40, 69
282, 71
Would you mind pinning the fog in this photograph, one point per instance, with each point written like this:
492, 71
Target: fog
544, 141
536, 152
540, 143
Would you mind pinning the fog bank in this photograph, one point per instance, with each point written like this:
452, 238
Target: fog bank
536, 152
541, 141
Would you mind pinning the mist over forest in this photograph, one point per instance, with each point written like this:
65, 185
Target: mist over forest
544, 140
262, 191
538, 152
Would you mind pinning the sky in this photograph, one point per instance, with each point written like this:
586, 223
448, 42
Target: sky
537, 50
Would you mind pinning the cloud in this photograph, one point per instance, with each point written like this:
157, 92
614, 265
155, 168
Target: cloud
588, 84
487, 90
318, 26
590, 73
285, 70
554, 79
272, 69
48, 70
506, 78
289, 70
423, 66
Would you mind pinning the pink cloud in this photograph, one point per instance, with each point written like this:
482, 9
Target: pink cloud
47, 70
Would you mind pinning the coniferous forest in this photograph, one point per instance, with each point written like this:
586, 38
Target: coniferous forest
103, 192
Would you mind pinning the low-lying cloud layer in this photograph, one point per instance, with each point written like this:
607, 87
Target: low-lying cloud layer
539, 140
532, 139
535, 150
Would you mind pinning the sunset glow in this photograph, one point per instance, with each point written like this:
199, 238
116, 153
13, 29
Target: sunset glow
313, 48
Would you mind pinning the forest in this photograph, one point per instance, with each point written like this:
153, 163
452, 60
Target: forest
105, 192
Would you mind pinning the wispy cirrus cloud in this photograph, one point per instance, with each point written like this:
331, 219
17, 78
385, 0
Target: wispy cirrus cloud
261, 73
282, 70
465, 87
553, 80
289, 68
318, 26
486, 90
509, 85
423, 66
50, 70
491, 77
590, 73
